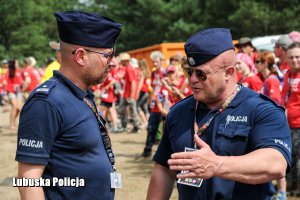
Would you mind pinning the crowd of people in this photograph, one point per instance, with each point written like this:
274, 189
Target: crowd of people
133, 92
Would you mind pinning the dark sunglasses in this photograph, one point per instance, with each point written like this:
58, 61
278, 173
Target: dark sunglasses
258, 61
200, 74
277, 46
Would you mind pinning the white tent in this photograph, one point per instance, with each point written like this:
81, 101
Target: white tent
265, 43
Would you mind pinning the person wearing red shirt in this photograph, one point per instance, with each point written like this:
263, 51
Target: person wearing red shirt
280, 49
271, 85
245, 46
31, 76
1, 95
244, 66
155, 115
108, 98
291, 101
129, 96
13, 82
184, 85
1, 89
264, 64
143, 91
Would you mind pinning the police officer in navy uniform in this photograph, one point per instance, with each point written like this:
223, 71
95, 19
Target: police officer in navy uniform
61, 135
225, 141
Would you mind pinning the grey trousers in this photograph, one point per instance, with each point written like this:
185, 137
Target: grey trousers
132, 108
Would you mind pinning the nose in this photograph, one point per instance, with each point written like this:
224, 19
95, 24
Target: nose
193, 78
113, 62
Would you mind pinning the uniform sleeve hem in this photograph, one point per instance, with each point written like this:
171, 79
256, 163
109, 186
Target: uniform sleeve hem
32, 160
159, 161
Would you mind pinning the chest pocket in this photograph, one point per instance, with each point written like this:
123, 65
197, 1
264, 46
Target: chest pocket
232, 139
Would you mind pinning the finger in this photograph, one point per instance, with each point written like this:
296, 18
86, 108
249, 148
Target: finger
181, 167
182, 155
180, 161
200, 143
187, 175
178, 155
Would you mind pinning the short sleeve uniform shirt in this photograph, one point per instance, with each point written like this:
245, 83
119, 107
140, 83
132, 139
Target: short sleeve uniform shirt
59, 130
250, 122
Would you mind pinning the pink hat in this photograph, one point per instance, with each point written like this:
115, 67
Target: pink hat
295, 36
247, 60
171, 69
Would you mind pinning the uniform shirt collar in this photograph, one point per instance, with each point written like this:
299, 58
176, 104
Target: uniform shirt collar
80, 94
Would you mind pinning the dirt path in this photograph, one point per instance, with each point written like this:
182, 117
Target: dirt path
135, 170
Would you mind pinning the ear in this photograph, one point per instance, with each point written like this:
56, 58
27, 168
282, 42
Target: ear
80, 56
230, 71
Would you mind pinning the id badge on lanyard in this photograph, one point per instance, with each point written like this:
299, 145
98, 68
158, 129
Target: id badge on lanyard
194, 182
115, 180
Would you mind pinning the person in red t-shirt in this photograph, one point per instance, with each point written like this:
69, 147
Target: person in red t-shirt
173, 83
1, 95
129, 96
184, 84
155, 115
271, 86
13, 82
244, 65
31, 76
143, 91
264, 64
108, 98
170, 93
280, 49
1, 89
291, 100
245, 46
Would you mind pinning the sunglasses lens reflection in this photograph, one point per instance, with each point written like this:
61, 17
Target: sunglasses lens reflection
199, 73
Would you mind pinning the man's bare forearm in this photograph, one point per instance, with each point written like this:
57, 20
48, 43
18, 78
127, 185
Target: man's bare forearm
161, 183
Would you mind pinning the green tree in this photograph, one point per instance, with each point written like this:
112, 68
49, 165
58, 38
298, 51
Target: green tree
28, 26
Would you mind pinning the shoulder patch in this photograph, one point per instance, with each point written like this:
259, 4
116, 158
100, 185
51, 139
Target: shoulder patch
42, 90
45, 87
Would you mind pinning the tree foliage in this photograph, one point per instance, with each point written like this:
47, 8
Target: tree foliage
28, 26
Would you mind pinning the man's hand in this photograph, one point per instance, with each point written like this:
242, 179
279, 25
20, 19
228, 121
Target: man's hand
201, 163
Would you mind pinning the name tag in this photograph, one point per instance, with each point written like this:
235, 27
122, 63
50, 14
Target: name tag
115, 180
194, 182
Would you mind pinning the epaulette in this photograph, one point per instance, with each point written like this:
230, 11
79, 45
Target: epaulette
43, 89
264, 97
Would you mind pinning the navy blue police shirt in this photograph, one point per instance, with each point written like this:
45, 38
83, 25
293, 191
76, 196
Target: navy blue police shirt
59, 130
250, 122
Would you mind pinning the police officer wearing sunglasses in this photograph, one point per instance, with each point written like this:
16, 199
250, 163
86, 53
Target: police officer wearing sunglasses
225, 141
63, 144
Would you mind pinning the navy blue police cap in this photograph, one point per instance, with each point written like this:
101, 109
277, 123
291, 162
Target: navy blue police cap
206, 45
87, 29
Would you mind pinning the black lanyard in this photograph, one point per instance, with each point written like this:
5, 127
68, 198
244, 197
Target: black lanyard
289, 87
104, 133
200, 131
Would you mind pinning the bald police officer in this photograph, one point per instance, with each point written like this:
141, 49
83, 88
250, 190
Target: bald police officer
225, 141
61, 137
